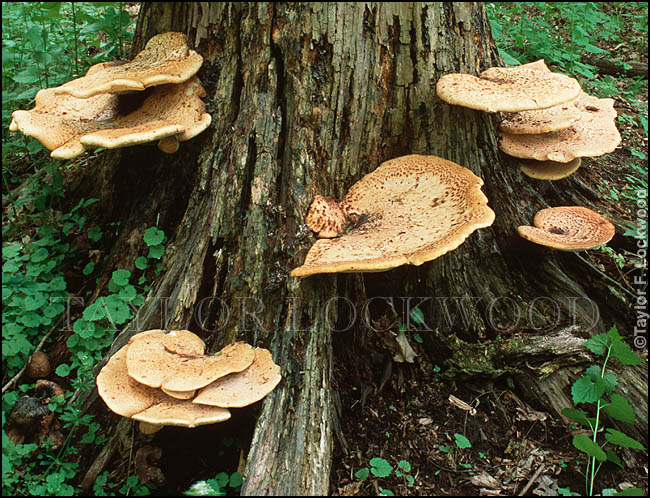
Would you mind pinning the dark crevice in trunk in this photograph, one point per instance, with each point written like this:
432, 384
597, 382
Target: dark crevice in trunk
249, 169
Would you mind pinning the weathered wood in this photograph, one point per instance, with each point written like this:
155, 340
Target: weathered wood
609, 66
305, 99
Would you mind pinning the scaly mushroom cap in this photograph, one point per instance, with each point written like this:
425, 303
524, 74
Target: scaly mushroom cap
67, 125
166, 58
175, 362
594, 134
326, 218
120, 392
508, 89
555, 118
413, 209
548, 170
243, 388
568, 228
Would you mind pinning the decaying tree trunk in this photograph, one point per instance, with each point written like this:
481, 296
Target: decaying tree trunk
305, 99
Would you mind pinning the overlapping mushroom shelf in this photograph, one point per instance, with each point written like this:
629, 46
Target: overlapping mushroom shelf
164, 378
556, 123
110, 108
410, 210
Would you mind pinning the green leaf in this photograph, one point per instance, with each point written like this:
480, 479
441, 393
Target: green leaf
141, 263
418, 338
95, 233
380, 467
619, 409
88, 269
462, 441
585, 390
416, 315
620, 439
236, 480
613, 457
577, 416
39, 255
156, 252
121, 277
63, 370
586, 445
385, 492
625, 355
222, 479
153, 236
630, 492
404, 465
362, 474
598, 344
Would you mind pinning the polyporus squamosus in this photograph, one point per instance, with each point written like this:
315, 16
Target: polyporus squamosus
166, 58
410, 210
67, 125
508, 89
157, 358
548, 170
568, 228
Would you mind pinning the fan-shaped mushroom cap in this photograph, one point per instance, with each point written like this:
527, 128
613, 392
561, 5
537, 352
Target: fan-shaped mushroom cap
166, 58
594, 134
243, 388
548, 170
120, 392
67, 125
413, 209
555, 118
568, 228
182, 413
508, 89
179, 394
326, 218
175, 362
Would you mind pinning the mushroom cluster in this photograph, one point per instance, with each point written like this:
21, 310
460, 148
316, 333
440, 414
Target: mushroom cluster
410, 210
165, 378
156, 96
548, 121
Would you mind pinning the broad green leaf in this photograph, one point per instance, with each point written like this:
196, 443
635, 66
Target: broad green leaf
156, 252
362, 474
577, 416
63, 370
613, 457
598, 344
462, 441
88, 269
404, 465
153, 236
585, 390
235, 480
380, 467
141, 263
121, 277
619, 409
417, 315
631, 492
586, 445
620, 439
625, 355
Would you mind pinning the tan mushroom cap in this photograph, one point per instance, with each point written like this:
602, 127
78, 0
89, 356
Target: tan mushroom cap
243, 388
326, 218
594, 134
179, 394
568, 228
166, 58
413, 209
548, 170
67, 125
508, 89
174, 361
555, 118
121, 393
182, 413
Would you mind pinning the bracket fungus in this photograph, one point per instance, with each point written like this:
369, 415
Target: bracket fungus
178, 352
568, 228
166, 58
548, 170
594, 134
67, 125
508, 89
410, 210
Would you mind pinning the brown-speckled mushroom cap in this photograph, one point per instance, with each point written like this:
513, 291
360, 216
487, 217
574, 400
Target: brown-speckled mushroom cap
412, 209
68, 126
326, 218
568, 228
166, 58
555, 118
508, 89
175, 362
548, 170
594, 134
243, 388
120, 392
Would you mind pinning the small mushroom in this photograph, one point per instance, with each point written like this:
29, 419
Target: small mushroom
548, 170
568, 228
410, 210
38, 365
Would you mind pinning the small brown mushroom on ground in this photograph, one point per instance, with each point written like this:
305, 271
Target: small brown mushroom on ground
568, 228
38, 365
508, 89
166, 58
410, 210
